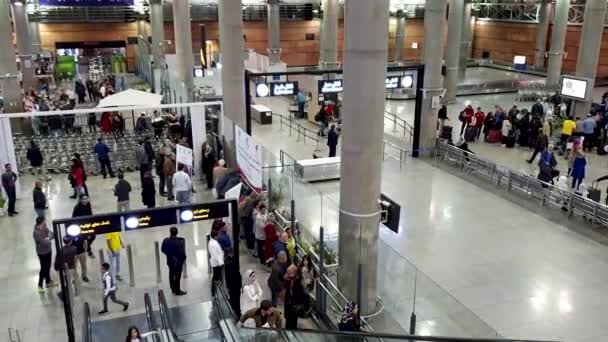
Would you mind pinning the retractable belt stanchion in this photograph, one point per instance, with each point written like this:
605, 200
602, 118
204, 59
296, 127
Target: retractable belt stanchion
157, 258
185, 270
102, 258
131, 271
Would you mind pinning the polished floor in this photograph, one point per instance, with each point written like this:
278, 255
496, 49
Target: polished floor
490, 265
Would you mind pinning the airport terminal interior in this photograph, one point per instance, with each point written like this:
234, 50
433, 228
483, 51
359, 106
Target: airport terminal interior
303, 170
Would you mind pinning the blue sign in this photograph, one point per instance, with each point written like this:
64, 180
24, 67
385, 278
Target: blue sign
86, 2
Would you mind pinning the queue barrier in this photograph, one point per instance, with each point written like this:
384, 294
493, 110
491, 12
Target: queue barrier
545, 194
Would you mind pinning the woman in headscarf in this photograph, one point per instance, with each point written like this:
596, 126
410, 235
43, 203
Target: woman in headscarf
148, 191
252, 292
271, 237
350, 318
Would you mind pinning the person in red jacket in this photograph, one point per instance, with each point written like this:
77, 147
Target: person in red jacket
479, 118
77, 176
271, 237
466, 117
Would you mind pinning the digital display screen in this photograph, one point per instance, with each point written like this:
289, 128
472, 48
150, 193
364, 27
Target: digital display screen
150, 219
330, 86
96, 225
199, 72
276, 89
206, 211
519, 60
573, 87
86, 2
392, 82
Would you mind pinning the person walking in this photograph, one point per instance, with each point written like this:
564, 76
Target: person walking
578, 169
174, 248
216, 257
479, 120
9, 179
296, 302
169, 171
148, 191
542, 141
43, 238
332, 141
122, 189
34, 155
109, 289
83, 208
252, 292
81, 244
39, 199
260, 236
103, 155
77, 177
141, 159
114, 244
275, 280
182, 185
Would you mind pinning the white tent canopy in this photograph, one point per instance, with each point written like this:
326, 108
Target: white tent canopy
131, 97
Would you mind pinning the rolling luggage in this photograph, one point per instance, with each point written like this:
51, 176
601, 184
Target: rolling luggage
470, 134
510, 142
493, 136
446, 132
595, 194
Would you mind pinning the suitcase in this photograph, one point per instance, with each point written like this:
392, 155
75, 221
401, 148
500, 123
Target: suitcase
510, 142
446, 132
493, 136
470, 134
595, 194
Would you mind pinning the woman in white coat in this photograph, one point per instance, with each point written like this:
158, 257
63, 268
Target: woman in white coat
252, 292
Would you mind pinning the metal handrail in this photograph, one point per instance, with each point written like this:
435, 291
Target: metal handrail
302, 131
402, 152
399, 122
152, 324
86, 325
165, 316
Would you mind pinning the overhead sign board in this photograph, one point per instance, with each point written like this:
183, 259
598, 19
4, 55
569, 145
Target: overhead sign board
330, 86
391, 82
86, 2
93, 225
203, 211
276, 89
150, 218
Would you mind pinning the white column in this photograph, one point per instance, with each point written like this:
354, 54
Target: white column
434, 28
453, 51
466, 39
328, 53
365, 59
274, 32
183, 49
558, 43
542, 31
589, 50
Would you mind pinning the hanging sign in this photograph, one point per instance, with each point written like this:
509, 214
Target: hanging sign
276, 89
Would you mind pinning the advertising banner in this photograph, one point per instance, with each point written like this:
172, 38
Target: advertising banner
183, 156
249, 157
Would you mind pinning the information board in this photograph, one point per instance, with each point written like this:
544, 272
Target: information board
276, 89
150, 218
204, 211
93, 225
574, 87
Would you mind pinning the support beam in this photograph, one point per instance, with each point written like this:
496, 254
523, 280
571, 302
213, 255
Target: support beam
434, 28
274, 31
399, 35
589, 50
542, 31
35, 34
558, 43
466, 40
24, 45
328, 54
365, 59
453, 51
183, 49
158, 34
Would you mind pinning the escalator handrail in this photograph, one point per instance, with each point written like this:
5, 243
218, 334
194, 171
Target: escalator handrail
165, 316
221, 292
152, 324
86, 334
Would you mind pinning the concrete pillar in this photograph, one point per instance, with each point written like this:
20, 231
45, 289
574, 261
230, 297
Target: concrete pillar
9, 82
274, 31
589, 50
466, 39
434, 28
35, 34
232, 47
24, 45
183, 49
453, 51
158, 34
365, 59
328, 54
399, 36
558, 42
542, 31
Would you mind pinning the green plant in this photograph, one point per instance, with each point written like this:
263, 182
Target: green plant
2, 201
329, 255
278, 192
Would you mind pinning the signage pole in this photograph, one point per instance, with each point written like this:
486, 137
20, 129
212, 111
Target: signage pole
67, 307
157, 258
131, 271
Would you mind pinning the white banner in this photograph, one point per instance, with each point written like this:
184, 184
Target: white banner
199, 136
249, 157
183, 156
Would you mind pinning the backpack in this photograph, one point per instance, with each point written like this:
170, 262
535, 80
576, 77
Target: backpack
461, 116
318, 117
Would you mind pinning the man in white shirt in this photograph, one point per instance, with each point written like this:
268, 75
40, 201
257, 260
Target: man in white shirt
182, 185
109, 289
216, 259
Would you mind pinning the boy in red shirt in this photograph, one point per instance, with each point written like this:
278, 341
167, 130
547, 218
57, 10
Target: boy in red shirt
479, 118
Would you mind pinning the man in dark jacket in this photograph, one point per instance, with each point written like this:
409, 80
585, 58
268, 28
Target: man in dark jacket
538, 109
83, 208
332, 140
9, 179
234, 282
67, 257
103, 154
174, 248
275, 280
122, 189
39, 199
34, 155
542, 141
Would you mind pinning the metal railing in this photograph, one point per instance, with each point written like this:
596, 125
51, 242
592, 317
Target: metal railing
388, 154
165, 316
302, 132
13, 335
400, 124
545, 194
150, 318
